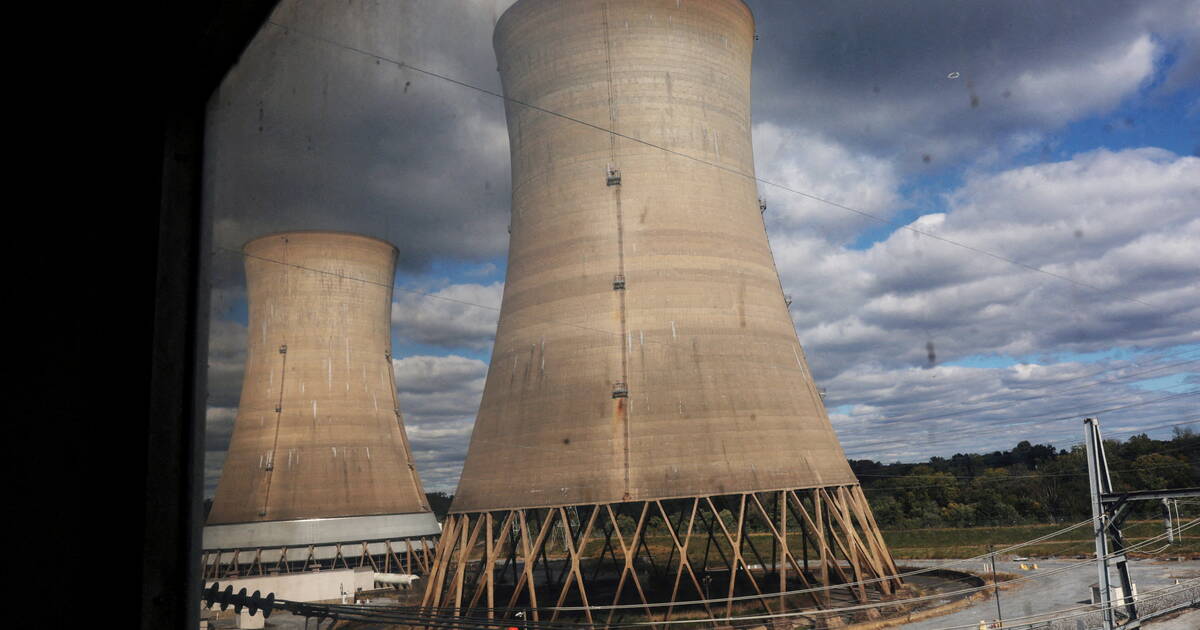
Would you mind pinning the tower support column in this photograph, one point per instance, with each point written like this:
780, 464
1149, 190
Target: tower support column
651, 560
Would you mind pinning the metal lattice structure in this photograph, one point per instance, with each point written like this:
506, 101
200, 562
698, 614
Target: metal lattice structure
646, 366
816, 549
319, 471
1120, 607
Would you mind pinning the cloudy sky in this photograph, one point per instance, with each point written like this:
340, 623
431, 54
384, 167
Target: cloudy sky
1031, 172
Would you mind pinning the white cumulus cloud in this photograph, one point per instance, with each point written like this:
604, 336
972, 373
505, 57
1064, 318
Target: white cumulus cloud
457, 316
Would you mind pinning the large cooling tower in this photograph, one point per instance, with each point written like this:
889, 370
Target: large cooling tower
318, 454
644, 349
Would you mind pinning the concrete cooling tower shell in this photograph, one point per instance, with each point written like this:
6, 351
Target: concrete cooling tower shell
644, 348
318, 453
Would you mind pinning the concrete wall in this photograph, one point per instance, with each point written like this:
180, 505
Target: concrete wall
720, 398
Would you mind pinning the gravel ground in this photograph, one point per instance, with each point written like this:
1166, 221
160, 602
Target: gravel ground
1032, 597
1053, 592
1189, 620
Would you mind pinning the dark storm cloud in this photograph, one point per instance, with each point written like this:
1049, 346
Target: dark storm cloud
877, 75
218, 430
306, 134
226, 361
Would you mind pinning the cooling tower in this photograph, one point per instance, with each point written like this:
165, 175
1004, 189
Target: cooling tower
318, 456
644, 349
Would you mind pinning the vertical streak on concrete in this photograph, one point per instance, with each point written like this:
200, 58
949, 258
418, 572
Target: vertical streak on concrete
624, 410
279, 404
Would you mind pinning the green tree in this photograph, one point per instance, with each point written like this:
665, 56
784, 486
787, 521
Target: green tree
1156, 471
959, 515
1061, 487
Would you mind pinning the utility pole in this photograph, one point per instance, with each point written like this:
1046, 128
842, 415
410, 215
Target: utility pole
1166, 504
1109, 509
996, 588
1099, 483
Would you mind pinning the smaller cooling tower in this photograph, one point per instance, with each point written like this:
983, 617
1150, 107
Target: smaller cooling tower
318, 457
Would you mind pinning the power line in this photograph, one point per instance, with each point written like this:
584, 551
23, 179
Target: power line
338, 274
1195, 420
435, 618
942, 475
1140, 430
1087, 609
1035, 576
986, 416
866, 582
784, 366
1056, 392
404, 65
881, 604
600, 128
1038, 419
342, 275
1007, 549
1042, 417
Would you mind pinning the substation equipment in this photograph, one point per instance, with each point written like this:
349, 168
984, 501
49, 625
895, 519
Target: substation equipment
319, 472
1118, 598
648, 403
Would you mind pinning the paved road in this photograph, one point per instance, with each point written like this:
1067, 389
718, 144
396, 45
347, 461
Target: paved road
1054, 591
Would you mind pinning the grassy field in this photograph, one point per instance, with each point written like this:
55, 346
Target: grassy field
973, 541
952, 542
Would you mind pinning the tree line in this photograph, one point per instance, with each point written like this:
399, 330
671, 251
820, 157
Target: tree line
1030, 483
